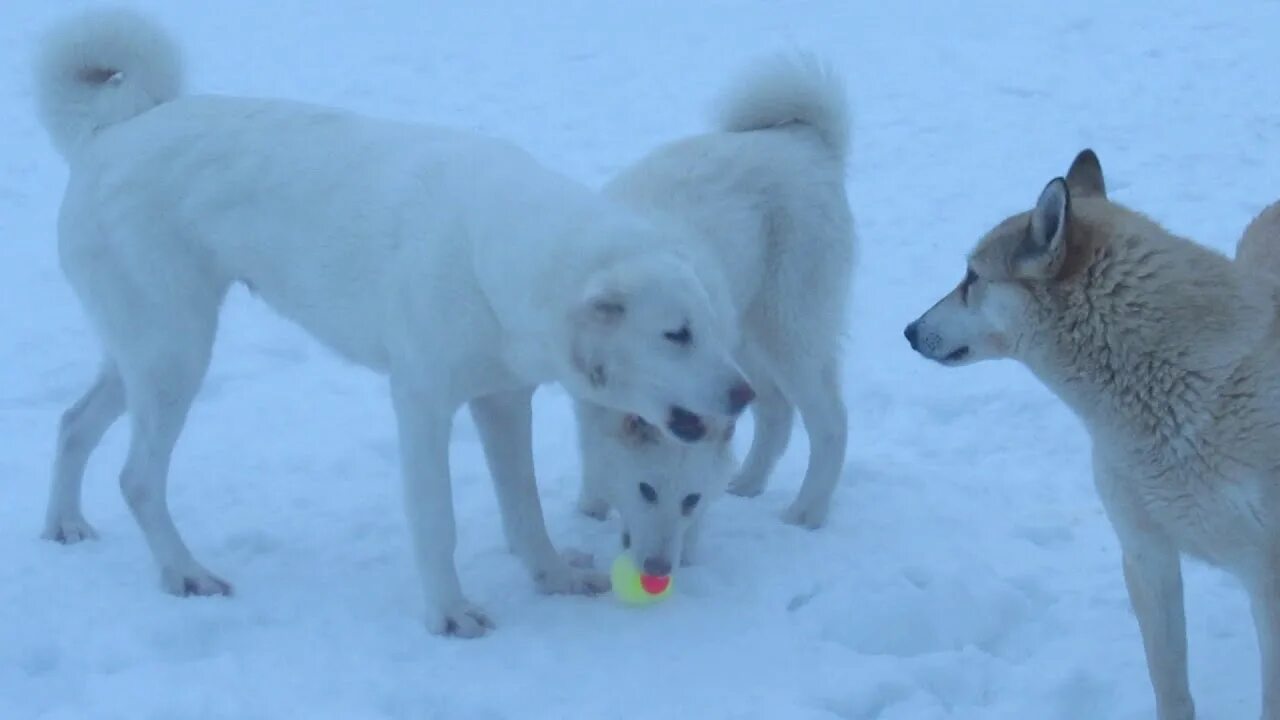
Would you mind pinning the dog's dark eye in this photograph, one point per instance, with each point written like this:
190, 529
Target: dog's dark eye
648, 493
969, 279
679, 337
690, 502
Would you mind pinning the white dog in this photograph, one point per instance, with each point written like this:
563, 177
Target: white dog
454, 264
765, 198
1170, 354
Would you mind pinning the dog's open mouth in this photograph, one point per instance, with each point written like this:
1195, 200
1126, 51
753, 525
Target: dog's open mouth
957, 355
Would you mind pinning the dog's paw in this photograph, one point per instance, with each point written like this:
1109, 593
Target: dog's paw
194, 582
69, 531
1182, 707
570, 580
462, 620
747, 486
806, 515
594, 508
578, 558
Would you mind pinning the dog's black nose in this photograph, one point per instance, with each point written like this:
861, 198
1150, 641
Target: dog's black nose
912, 333
740, 397
660, 567
685, 425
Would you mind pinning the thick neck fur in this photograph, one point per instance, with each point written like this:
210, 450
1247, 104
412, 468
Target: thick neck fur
1144, 333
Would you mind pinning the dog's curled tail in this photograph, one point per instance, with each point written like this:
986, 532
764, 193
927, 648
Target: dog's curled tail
785, 89
1259, 247
100, 68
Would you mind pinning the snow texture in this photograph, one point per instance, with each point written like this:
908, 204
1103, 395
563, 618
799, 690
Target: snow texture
967, 570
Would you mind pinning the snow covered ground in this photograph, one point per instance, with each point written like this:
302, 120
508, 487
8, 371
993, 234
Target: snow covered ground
967, 571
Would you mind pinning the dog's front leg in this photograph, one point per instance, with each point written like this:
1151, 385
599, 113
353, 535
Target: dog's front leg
692, 542
505, 423
1264, 593
424, 419
1153, 575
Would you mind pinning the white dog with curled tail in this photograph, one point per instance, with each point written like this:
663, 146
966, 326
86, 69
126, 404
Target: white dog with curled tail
764, 196
454, 264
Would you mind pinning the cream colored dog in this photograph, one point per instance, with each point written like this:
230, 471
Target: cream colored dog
1170, 354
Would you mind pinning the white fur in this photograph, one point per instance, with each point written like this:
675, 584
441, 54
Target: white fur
110, 66
455, 264
777, 91
765, 197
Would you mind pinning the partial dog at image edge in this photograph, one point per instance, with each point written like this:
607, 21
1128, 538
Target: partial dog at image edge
1169, 353
765, 197
362, 231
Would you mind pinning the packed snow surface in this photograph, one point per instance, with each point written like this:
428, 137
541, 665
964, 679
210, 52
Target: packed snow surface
967, 570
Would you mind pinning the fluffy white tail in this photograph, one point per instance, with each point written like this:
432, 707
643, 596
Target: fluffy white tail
788, 89
100, 68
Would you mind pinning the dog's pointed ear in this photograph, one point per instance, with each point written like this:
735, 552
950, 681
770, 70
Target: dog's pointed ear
1045, 244
1085, 176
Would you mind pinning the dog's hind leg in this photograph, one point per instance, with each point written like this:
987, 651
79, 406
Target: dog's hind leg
79, 432
162, 373
505, 423
815, 389
155, 307
774, 416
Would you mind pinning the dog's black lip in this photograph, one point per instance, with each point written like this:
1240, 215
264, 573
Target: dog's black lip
688, 431
957, 355
686, 426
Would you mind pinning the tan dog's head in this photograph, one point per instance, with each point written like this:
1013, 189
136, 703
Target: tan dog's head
987, 315
1097, 300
